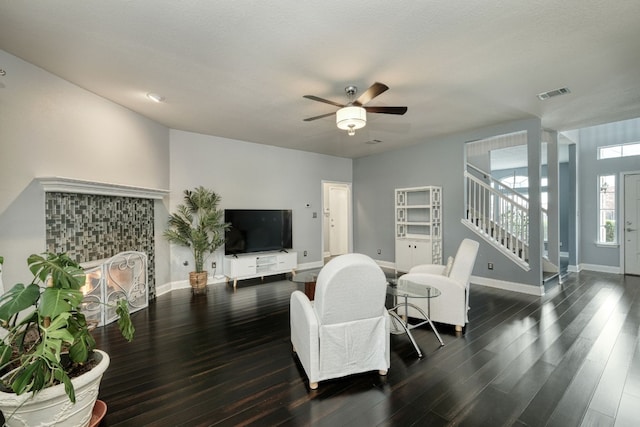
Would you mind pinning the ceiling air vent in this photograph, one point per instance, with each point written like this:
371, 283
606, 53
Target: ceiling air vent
556, 92
373, 141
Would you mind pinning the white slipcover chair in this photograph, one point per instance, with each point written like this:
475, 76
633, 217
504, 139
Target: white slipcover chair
346, 329
452, 305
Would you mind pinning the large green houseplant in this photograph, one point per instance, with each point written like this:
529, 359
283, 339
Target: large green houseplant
199, 225
46, 340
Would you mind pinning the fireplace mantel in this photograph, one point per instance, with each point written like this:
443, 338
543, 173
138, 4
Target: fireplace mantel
56, 184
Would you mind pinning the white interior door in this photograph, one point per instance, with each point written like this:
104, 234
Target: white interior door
338, 220
631, 224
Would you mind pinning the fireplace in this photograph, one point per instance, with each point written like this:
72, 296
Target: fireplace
95, 221
107, 281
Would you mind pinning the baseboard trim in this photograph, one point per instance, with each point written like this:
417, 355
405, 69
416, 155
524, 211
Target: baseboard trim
184, 284
309, 265
163, 289
601, 268
508, 286
221, 279
386, 264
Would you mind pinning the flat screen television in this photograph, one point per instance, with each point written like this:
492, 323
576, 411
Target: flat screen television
257, 230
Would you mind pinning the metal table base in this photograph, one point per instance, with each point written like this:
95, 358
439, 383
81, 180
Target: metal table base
407, 327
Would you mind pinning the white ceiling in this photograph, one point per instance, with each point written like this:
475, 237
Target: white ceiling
238, 69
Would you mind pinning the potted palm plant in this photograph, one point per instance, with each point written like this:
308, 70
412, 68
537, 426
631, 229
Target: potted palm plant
49, 366
199, 225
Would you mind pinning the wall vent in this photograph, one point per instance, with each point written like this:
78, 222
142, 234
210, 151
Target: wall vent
556, 92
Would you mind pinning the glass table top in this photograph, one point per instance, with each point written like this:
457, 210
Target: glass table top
305, 276
406, 288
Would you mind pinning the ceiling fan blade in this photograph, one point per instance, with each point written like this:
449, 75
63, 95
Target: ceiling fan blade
373, 91
326, 101
386, 110
318, 117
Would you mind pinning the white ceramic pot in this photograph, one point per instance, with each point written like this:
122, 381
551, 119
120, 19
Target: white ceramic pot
51, 406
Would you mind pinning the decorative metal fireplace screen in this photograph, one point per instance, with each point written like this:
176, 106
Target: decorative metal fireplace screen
107, 281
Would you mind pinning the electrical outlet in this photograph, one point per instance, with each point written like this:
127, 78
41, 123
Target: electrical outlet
490, 266
305, 253
379, 251
213, 264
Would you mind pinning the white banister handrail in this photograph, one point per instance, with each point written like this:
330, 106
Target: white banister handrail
497, 193
499, 184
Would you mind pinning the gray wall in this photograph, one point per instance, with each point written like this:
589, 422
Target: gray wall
589, 168
50, 127
564, 200
436, 162
255, 176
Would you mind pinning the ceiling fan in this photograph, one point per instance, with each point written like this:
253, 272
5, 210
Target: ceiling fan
353, 115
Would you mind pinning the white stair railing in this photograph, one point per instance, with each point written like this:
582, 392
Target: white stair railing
499, 214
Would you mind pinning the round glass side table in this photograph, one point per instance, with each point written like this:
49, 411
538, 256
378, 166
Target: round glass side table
402, 290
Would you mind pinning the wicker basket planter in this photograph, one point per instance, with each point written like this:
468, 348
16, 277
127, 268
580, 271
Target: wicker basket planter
198, 282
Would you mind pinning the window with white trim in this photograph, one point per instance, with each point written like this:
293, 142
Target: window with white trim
620, 150
607, 229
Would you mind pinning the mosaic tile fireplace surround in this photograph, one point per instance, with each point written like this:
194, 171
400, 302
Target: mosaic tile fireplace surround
90, 227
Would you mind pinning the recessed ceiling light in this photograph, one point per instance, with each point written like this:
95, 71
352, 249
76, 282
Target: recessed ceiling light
155, 97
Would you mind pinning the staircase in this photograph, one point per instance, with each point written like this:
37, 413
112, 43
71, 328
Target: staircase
499, 214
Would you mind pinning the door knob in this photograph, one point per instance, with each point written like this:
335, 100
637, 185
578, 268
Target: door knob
631, 229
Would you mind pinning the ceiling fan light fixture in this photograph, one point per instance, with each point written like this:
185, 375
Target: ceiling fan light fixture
351, 118
155, 97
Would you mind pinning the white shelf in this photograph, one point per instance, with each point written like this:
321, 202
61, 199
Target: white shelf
418, 226
260, 264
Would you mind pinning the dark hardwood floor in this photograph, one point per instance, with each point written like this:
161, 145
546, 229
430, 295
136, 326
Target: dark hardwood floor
571, 358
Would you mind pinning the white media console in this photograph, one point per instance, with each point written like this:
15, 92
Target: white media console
259, 264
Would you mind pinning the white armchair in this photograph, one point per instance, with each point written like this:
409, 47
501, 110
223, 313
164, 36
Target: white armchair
452, 280
346, 329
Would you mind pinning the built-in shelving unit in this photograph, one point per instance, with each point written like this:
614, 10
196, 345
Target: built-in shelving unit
418, 223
